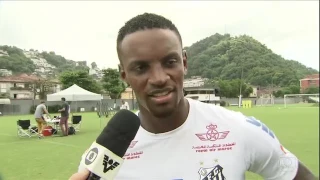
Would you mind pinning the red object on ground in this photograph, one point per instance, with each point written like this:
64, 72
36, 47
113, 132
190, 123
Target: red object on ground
47, 131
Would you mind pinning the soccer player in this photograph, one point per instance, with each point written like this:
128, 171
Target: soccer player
182, 138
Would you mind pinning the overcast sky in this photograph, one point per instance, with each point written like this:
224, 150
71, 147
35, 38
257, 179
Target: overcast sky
88, 30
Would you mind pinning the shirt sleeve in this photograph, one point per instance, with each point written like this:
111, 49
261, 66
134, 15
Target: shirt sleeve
264, 153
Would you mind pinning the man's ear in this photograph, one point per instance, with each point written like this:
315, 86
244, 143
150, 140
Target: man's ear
123, 75
185, 61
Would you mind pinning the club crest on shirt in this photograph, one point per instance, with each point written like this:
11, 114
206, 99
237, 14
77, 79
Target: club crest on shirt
212, 173
212, 134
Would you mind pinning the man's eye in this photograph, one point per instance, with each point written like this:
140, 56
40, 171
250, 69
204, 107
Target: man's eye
140, 68
171, 61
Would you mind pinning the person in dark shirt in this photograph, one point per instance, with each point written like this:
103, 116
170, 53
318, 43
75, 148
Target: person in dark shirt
64, 117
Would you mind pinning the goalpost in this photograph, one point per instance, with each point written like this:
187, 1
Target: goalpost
300, 99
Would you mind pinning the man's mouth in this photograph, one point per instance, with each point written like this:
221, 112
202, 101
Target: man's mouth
164, 93
161, 96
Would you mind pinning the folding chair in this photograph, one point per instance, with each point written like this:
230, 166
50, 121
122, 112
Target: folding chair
76, 122
25, 129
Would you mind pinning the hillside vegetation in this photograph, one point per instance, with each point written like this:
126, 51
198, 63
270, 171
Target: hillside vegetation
15, 59
222, 57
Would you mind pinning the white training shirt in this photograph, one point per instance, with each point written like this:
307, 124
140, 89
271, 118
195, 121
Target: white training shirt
214, 143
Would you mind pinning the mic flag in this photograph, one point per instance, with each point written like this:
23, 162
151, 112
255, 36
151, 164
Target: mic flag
108, 165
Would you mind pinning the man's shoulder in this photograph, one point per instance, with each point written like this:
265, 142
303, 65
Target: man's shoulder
217, 114
212, 109
41, 105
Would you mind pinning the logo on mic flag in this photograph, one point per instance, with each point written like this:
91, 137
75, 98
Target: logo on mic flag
91, 156
109, 164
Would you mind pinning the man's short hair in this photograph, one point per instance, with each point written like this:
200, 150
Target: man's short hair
63, 99
42, 101
143, 22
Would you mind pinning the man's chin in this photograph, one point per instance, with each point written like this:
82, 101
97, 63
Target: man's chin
162, 112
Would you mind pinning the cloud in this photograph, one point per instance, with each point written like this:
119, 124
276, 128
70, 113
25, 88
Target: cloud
87, 30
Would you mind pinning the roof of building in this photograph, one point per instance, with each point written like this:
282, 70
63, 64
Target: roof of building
20, 78
24, 78
311, 77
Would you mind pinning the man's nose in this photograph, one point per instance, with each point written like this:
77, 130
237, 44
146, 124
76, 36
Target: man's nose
158, 76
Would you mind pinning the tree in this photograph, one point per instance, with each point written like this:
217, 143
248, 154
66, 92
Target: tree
41, 87
112, 83
279, 93
81, 78
16, 61
312, 90
231, 88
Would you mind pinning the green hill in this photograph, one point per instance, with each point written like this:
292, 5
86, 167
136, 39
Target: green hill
24, 61
223, 57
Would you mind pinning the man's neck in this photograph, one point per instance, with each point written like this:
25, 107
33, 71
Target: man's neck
160, 125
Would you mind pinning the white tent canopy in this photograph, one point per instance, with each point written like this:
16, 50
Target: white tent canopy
74, 93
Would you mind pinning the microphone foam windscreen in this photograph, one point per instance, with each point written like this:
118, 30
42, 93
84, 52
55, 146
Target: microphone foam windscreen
119, 132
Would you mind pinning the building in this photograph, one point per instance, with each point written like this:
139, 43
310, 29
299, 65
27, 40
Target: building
23, 86
96, 72
194, 81
207, 95
43, 68
3, 53
128, 94
5, 72
254, 93
309, 81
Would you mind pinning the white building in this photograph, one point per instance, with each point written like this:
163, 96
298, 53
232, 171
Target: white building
96, 71
207, 95
195, 81
3, 53
5, 72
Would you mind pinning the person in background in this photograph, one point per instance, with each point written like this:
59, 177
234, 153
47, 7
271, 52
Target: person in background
64, 117
125, 105
38, 114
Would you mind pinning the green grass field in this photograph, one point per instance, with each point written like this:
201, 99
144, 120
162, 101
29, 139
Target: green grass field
56, 158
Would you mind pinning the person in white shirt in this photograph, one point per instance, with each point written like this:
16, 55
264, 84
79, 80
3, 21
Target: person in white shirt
182, 138
124, 105
39, 113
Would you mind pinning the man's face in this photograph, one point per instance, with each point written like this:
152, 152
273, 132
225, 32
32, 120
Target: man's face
153, 65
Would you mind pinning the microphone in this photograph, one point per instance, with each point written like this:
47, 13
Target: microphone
104, 157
